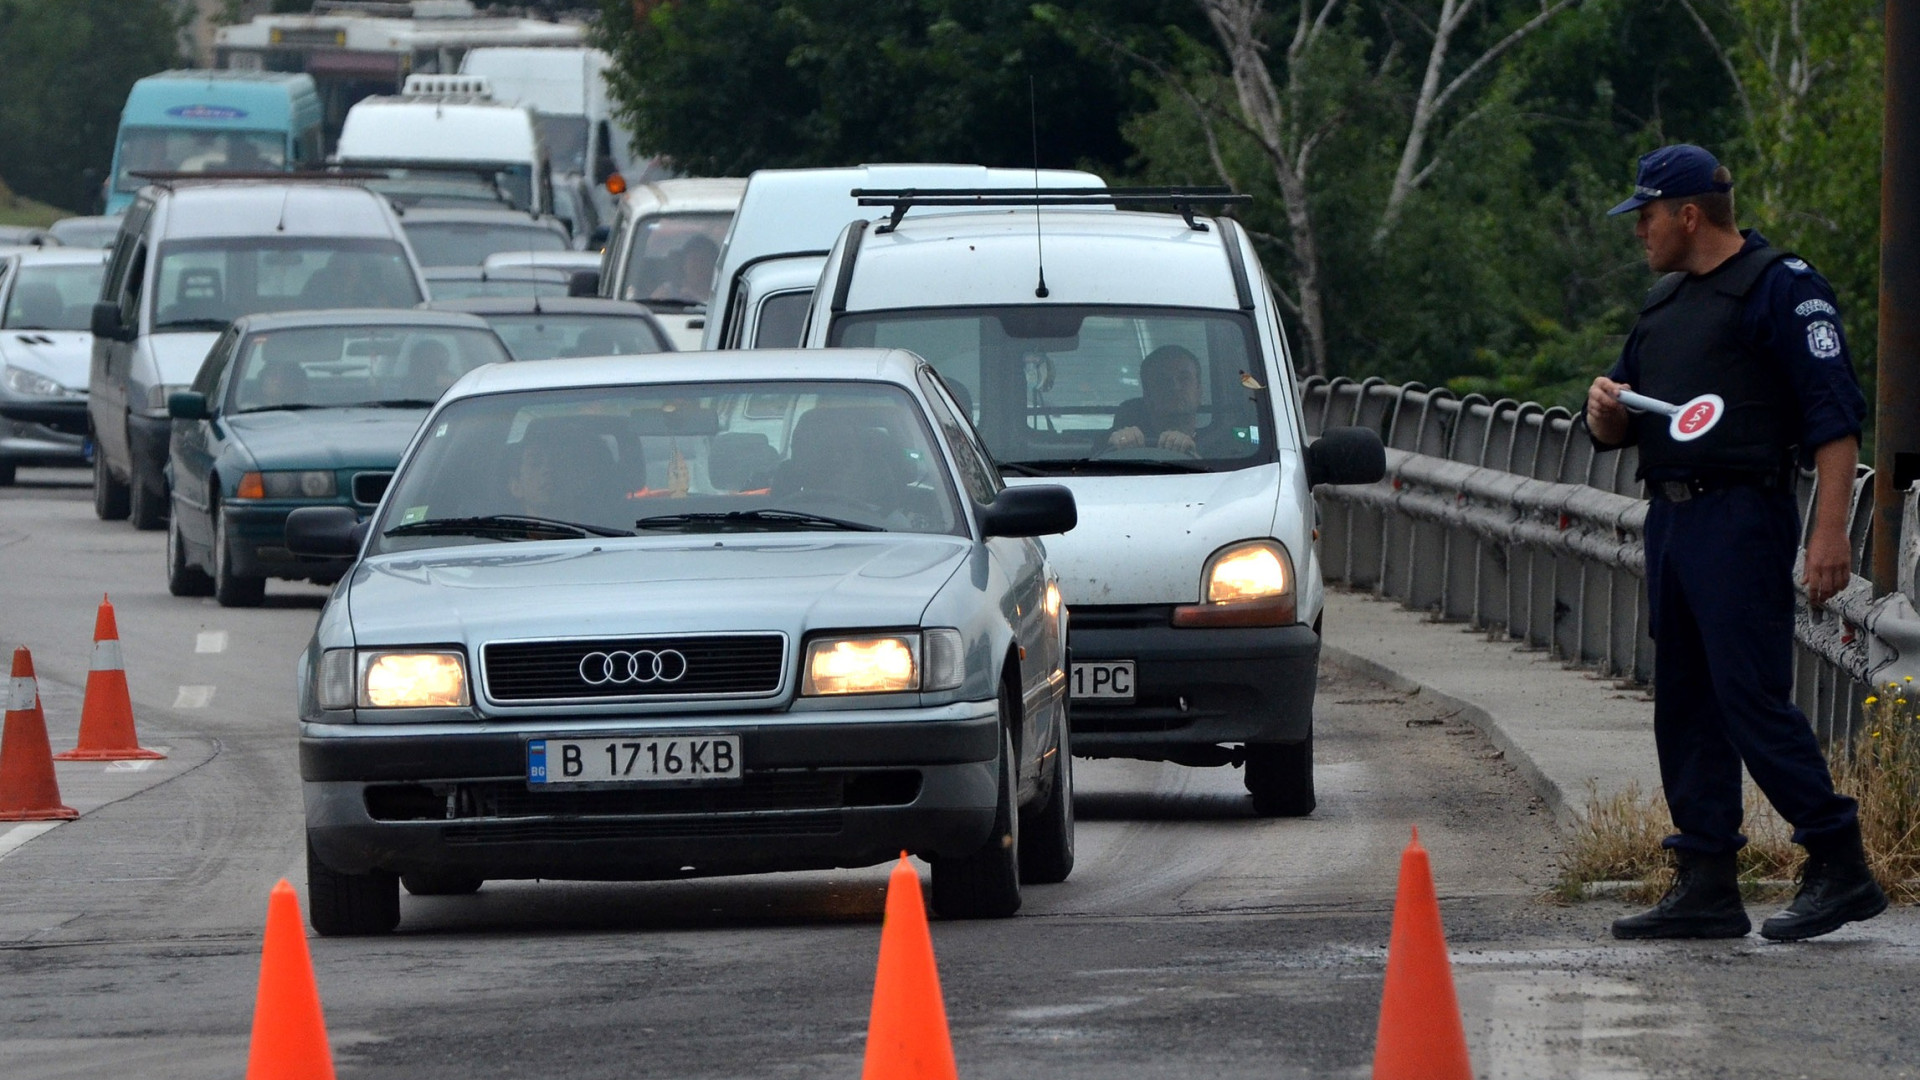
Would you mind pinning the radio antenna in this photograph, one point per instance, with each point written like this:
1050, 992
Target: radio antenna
1039, 249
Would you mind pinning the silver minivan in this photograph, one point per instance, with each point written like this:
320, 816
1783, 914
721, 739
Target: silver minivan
192, 256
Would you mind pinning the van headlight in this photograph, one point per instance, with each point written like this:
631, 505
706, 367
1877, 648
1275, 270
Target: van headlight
883, 663
392, 679
1246, 584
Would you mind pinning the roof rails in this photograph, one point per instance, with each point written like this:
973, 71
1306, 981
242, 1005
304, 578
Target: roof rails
170, 180
1182, 199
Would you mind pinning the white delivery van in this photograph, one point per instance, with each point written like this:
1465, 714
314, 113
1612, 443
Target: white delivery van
664, 248
788, 219
1137, 358
450, 125
567, 90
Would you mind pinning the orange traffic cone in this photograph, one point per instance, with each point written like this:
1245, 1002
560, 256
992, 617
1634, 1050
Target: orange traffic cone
106, 713
1421, 1037
28, 789
289, 1033
907, 1034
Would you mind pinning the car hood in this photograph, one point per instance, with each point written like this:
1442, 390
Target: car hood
60, 355
790, 582
178, 354
1143, 539
326, 438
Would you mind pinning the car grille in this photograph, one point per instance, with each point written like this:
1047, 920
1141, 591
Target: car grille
368, 487
757, 793
1119, 616
817, 824
736, 665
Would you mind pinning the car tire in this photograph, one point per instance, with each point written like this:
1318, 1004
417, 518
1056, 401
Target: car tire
109, 495
229, 588
1046, 830
7, 476
986, 884
183, 578
350, 905
146, 508
442, 884
1280, 778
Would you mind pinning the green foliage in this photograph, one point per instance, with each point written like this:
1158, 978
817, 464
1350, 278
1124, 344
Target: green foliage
65, 68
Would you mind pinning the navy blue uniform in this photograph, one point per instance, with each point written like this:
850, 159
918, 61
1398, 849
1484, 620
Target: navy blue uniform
1720, 583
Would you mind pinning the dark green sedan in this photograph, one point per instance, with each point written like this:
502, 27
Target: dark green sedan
299, 409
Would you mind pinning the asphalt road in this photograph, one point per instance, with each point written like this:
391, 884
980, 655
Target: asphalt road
1192, 939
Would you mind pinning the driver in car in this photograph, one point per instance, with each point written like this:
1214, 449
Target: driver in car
1167, 414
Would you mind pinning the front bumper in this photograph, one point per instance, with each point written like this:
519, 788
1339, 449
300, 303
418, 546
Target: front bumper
815, 794
43, 431
257, 535
1193, 688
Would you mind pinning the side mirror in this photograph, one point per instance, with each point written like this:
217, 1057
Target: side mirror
106, 322
325, 531
1030, 510
188, 405
1346, 455
584, 283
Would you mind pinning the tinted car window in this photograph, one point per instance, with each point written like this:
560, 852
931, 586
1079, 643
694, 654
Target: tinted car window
782, 318
672, 257
335, 366
468, 243
205, 284
53, 297
545, 336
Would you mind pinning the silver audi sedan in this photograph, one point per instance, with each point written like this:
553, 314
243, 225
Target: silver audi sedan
712, 614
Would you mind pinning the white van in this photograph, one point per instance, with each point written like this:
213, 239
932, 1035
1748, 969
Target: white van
1138, 358
665, 247
448, 125
567, 90
789, 218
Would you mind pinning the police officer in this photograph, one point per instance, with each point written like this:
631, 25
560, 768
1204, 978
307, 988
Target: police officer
1736, 317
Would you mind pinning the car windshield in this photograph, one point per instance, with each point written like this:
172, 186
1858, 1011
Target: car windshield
672, 258
565, 136
663, 459
425, 184
206, 284
53, 297
468, 243
533, 336
1056, 390
98, 232
542, 281
196, 150
324, 367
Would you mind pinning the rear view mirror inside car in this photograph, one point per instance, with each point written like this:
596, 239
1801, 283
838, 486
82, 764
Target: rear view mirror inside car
1024, 324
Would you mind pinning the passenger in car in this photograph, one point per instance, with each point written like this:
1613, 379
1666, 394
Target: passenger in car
563, 473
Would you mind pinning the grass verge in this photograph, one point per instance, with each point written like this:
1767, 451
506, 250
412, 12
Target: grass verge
19, 210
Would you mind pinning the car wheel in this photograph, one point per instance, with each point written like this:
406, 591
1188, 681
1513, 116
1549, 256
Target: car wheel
1280, 778
442, 884
1046, 830
350, 905
109, 495
230, 588
986, 884
183, 578
146, 508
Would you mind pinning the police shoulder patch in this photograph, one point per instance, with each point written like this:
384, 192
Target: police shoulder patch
1798, 266
1823, 339
1815, 306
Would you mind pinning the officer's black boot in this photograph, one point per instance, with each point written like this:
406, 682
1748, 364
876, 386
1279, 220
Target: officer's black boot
1836, 888
1704, 902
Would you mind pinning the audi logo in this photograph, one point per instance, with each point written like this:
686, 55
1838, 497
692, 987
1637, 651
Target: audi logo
639, 667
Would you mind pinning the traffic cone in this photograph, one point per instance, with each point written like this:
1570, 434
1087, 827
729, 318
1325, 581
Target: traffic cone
1420, 1037
28, 789
106, 713
907, 1034
289, 1033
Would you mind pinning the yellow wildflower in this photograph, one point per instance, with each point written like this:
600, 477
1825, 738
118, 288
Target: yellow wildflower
1871, 699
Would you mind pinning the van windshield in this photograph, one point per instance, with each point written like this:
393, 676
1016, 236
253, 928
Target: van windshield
196, 150
565, 137
206, 284
671, 261
1059, 390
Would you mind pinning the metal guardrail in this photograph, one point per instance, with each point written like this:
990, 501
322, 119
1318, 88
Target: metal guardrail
1500, 514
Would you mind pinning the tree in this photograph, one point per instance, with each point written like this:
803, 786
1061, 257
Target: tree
65, 69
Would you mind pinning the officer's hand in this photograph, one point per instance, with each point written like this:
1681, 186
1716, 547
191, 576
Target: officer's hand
1828, 565
1606, 417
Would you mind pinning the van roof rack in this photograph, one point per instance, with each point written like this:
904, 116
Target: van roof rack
1181, 199
165, 179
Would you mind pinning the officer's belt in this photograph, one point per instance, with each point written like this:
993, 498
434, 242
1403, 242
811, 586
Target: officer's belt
1683, 490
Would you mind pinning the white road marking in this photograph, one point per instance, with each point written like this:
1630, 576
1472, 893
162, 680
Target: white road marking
193, 697
129, 766
11, 840
1572, 1025
210, 641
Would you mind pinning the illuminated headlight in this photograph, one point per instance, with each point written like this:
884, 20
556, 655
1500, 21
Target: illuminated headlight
885, 664
312, 484
1246, 584
34, 384
412, 680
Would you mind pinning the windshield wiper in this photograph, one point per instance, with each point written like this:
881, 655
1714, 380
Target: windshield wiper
193, 324
503, 525
676, 303
1022, 468
396, 403
291, 406
1058, 466
750, 518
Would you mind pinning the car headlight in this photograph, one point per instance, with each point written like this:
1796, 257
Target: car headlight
1245, 584
412, 680
310, 484
34, 384
884, 664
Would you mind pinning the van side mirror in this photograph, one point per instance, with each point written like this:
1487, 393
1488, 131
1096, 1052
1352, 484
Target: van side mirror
1030, 510
325, 531
584, 283
1346, 455
188, 405
106, 322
